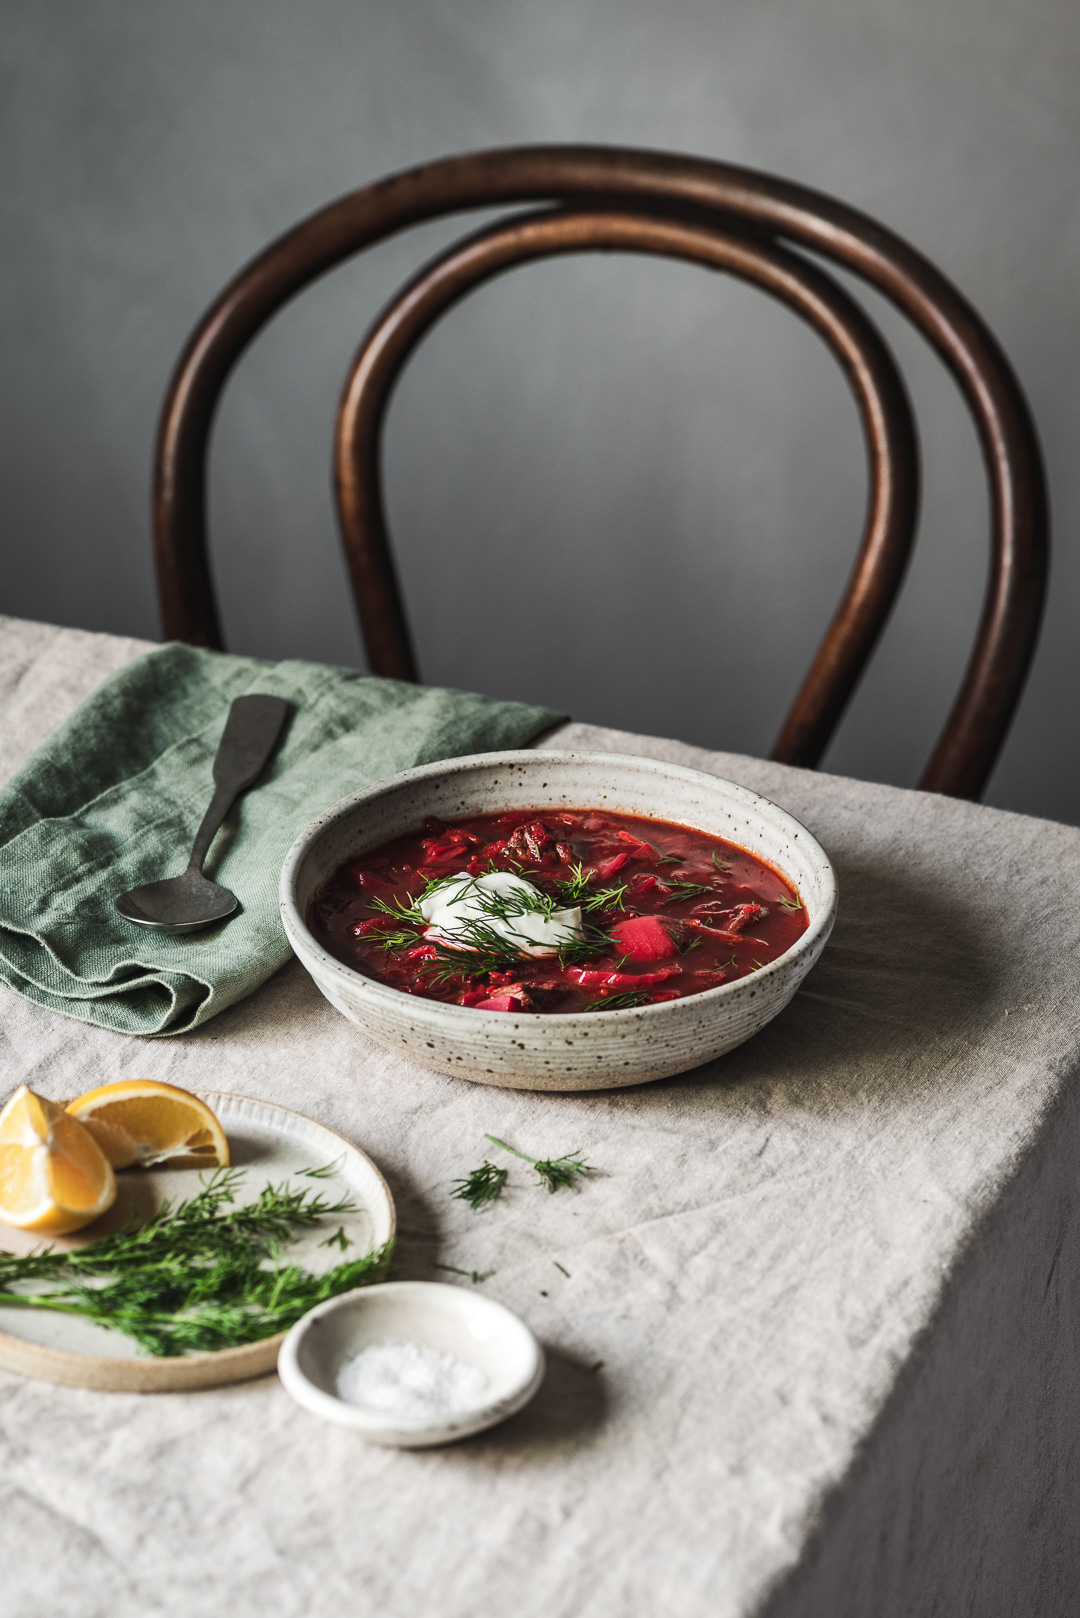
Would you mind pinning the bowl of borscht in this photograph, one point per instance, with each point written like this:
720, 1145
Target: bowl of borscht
557, 921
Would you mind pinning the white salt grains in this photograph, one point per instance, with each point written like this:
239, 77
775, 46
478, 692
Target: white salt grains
407, 1379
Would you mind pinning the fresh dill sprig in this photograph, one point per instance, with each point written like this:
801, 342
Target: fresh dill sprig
478, 947
613, 898
475, 1276
338, 1239
482, 950
721, 865
619, 1002
557, 1173
671, 859
560, 1173
325, 1173
400, 908
507, 908
512, 906
404, 924
480, 1186
597, 941
394, 940
687, 890
488, 951
790, 904
576, 889
199, 1276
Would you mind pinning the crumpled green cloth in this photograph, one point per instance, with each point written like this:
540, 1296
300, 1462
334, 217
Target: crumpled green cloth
114, 798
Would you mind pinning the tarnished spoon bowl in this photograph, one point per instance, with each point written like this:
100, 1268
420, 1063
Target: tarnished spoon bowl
178, 903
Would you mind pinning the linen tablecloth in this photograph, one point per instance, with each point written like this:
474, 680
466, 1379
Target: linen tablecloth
831, 1279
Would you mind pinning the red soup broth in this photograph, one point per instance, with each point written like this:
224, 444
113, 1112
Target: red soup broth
667, 910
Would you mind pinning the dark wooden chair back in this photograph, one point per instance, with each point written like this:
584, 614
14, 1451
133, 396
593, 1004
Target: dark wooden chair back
730, 219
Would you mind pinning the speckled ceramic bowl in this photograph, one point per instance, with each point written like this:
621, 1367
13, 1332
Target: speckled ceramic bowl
586, 1050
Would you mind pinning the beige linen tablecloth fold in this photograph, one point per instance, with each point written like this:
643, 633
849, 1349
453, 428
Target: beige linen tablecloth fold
816, 1353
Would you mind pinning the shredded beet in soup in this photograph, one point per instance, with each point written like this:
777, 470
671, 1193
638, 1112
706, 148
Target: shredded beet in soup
556, 911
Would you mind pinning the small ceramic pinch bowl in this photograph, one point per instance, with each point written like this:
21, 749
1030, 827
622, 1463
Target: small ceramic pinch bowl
553, 1051
473, 1330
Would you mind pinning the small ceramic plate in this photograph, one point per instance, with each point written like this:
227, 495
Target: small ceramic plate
473, 1330
269, 1143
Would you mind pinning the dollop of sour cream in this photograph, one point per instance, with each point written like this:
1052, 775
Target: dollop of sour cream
451, 906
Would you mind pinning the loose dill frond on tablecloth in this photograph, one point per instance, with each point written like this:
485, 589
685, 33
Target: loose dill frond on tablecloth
199, 1276
475, 1276
480, 1186
557, 1173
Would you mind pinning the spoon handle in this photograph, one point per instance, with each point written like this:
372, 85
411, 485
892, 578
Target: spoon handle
250, 736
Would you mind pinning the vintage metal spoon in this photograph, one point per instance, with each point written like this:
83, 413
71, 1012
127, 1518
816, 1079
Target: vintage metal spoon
181, 903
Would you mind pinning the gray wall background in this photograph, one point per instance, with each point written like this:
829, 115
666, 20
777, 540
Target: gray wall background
624, 488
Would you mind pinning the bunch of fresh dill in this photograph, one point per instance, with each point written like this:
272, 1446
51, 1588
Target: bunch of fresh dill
200, 1275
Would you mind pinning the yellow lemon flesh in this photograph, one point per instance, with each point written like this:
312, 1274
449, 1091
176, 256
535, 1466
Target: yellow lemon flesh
54, 1177
145, 1122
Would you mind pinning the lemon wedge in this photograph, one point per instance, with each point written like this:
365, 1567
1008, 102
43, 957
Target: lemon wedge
54, 1177
144, 1121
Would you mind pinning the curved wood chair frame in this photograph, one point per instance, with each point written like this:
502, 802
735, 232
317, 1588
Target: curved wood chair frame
886, 419
731, 219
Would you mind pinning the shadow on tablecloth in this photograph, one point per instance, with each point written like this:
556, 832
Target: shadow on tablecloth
965, 1497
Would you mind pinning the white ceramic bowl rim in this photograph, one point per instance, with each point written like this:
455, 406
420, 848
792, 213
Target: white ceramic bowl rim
821, 923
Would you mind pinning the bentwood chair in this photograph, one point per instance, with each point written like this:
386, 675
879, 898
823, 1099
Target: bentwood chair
747, 224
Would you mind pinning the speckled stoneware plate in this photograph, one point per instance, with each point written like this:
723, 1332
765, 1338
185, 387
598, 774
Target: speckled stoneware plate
579, 1051
269, 1143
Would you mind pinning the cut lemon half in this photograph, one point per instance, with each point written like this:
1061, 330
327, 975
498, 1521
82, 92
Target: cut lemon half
54, 1177
143, 1121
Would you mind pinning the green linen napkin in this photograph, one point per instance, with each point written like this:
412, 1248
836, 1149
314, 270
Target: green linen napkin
115, 795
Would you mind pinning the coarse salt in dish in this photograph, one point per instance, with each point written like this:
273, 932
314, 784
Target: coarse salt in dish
411, 1363
407, 1379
